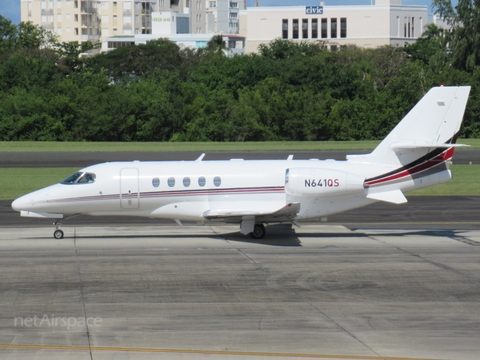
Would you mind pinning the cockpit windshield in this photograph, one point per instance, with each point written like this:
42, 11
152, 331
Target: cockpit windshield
80, 178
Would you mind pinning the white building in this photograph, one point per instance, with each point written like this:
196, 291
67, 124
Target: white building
92, 20
387, 22
173, 26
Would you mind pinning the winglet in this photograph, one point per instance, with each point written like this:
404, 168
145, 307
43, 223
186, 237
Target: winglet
201, 157
394, 196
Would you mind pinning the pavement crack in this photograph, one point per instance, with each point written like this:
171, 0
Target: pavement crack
80, 284
344, 329
257, 264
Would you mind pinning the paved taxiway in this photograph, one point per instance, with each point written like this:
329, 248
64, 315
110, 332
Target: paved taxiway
83, 159
208, 292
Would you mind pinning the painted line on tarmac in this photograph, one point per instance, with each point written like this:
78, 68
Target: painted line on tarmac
198, 352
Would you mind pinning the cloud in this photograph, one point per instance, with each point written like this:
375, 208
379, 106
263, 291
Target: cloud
11, 10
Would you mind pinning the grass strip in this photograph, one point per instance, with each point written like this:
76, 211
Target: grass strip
15, 182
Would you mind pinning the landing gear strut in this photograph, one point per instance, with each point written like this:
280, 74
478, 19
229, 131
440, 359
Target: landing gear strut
58, 233
258, 231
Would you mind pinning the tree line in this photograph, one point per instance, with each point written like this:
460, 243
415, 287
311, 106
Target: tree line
288, 91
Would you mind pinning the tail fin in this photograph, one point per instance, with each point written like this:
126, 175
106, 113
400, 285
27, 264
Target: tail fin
433, 124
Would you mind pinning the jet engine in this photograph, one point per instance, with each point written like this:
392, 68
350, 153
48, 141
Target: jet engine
319, 182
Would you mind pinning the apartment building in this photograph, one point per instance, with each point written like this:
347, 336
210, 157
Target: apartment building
89, 20
386, 22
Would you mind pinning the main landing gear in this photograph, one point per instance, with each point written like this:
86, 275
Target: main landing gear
258, 231
58, 233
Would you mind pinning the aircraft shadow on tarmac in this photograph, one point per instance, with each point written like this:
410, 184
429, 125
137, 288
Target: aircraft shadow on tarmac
279, 236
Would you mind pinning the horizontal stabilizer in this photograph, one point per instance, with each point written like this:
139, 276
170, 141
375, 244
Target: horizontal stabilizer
285, 213
394, 196
423, 145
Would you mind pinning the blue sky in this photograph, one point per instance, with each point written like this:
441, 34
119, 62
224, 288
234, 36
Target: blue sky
11, 8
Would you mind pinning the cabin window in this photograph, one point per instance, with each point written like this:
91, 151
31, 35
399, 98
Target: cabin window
217, 181
186, 181
171, 181
156, 182
202, 181
80, 178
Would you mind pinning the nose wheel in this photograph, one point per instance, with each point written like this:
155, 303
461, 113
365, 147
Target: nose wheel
58, 233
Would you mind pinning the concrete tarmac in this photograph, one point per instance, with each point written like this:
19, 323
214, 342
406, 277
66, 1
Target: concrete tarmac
83, 159
320, 291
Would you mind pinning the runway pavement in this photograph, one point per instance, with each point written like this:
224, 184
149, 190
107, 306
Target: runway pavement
321, 291
83, 159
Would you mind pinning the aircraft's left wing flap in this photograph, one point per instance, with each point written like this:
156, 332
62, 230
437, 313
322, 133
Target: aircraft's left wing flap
285, 213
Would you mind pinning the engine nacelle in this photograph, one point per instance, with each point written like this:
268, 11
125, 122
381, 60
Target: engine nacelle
321, 182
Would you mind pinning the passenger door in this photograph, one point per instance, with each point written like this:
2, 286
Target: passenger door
129, 190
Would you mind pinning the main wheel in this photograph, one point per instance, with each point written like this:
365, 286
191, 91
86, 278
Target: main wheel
58, 234
258, 232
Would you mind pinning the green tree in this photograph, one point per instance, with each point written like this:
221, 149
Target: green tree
465, 22
8, 34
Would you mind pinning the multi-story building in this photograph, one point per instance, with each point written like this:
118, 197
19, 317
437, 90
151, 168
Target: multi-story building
387, 22
90, 20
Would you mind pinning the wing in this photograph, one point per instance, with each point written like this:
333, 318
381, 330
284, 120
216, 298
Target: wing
284, 213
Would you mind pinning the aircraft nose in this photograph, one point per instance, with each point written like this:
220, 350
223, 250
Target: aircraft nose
20, 204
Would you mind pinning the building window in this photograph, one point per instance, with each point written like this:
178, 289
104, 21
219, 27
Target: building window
324, 29
343, 27
117, 44
333, 28
314, 28
212, 4
304, 28
295, 29
233, 15
285, 28
234, 4
413, 27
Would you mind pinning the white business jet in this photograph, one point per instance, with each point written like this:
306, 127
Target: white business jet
416, 154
